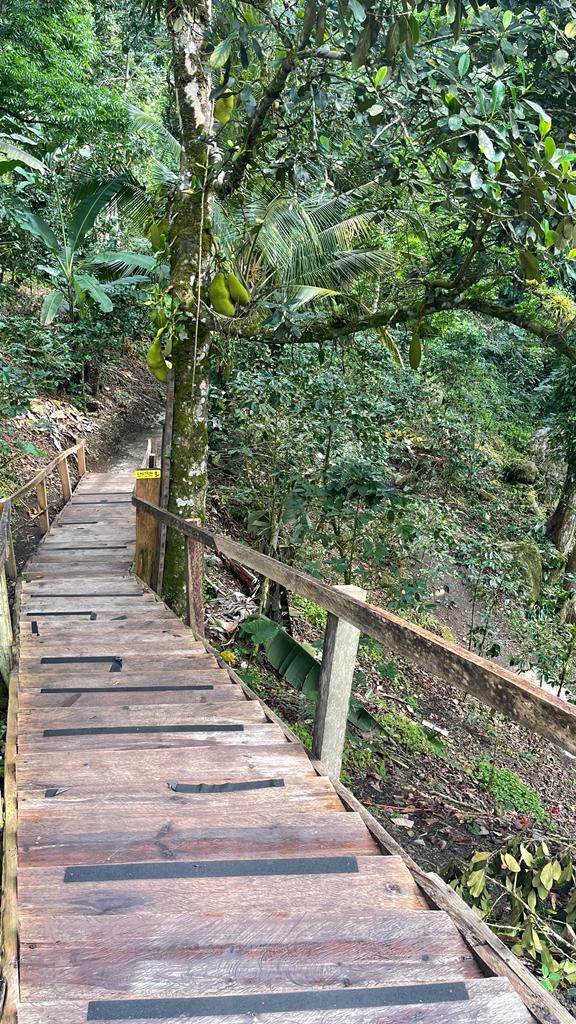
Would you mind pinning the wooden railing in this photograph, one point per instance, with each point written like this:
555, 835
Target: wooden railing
8, 568
525, 703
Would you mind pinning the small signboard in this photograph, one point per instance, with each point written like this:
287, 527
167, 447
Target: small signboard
147, 474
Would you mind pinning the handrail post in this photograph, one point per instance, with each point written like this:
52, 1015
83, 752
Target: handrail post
5, 630
64, 474
44, 517
194, 575
148, 488
81, 457
335, 686
11, 567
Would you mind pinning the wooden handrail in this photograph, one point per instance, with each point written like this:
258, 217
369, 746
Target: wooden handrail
4, 528
41, 475
527, 704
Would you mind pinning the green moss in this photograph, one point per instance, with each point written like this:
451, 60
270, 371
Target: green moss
509, 791
309, 612
404, 731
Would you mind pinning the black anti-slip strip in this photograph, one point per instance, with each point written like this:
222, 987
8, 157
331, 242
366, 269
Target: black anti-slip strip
96, 594
43, 615
212, 869
121, 730
55, 791
34, 628
122, 689
90, 547
115, 501
79, 522
277, 1002
115, 661
224, 787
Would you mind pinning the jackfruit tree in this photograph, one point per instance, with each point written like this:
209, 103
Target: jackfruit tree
446, 127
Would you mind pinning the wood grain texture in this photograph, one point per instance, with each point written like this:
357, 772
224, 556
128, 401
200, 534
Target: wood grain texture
490, 1001
105, 798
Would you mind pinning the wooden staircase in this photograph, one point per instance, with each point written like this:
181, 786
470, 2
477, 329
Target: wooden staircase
178, 858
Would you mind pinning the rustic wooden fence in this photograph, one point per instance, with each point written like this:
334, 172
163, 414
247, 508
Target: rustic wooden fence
348, 616
8, 568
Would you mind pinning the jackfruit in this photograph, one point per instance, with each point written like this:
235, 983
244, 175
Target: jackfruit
155, 360
223, 108
237, 290
220, 296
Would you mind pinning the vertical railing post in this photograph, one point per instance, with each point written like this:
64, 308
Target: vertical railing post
5, 630
11, 567
194, 575
81, 458
335, 687
147, 487
64, 474
41, 495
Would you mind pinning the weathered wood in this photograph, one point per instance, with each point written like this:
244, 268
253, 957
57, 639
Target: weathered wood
339, 652
64, 474
42, 497
490, 1001
30, 485
194, 564
81, 457
9, 905
146, 531
524, 702
5, 630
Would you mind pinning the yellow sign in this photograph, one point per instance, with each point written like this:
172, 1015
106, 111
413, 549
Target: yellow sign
146, 474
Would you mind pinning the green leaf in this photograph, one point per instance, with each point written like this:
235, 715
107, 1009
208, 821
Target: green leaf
35, 225
87, 210
506, 19
53, 303
463, 64
549, 147
544, 126
123, 260
511, 863
454, 122
260, 629
547, 875
17, 155
380, 75
485, 145
476, 180
222, 51
476, 882
551, 238
530, 266
498, 94
89, 284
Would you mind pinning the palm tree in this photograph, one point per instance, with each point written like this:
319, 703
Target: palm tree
73, 274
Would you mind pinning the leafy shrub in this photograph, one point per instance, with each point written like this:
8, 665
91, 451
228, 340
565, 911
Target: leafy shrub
526, 891
509, 791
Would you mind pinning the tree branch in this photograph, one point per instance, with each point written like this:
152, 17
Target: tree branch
274, 90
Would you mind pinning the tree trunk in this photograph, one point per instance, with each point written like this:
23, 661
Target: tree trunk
187, 23
561, 525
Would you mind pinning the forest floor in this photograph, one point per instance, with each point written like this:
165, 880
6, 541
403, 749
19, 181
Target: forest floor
446, 775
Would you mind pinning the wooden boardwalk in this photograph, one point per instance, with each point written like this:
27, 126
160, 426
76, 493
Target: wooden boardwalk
178, 858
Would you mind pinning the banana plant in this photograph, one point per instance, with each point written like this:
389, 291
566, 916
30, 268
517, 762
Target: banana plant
74, 274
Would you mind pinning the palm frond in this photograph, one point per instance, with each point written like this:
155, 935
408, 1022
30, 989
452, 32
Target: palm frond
147, 120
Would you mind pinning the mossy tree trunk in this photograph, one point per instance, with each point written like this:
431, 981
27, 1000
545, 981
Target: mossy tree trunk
187, 23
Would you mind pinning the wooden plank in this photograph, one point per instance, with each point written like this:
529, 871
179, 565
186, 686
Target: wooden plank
523, 701
224, 692
490, 1001
194, 571
368, 948
381, 882
9, 903
34, 722
332, 835
252, 734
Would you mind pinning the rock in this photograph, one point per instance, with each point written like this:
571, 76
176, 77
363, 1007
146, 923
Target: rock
527, 556
521, 471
